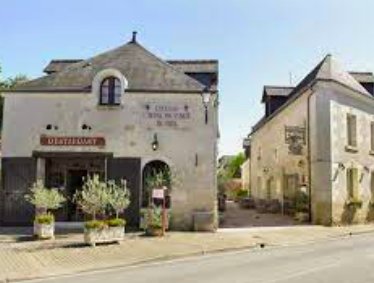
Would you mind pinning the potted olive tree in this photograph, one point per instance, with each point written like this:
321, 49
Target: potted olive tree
154, 216
301, 206
44, 200
99, 199
119, 200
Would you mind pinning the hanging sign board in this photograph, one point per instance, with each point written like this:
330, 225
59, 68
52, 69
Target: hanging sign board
158, 194
71, 141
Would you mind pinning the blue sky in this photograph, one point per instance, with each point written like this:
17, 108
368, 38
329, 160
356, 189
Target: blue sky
256, 42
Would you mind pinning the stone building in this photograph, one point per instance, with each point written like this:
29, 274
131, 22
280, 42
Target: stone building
116, 114
317, 138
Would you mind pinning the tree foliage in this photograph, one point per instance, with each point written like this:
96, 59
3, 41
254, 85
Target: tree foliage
232, 168
102, 198
119, 196
44, 198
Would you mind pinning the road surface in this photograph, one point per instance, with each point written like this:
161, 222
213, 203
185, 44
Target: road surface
349, 260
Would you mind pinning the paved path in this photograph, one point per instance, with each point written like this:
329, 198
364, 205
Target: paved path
235, 217
68, 255
345, 261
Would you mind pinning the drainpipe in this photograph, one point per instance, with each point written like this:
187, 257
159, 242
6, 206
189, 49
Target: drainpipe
309, 154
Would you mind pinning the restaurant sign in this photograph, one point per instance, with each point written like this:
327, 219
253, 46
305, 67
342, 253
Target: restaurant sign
71, 141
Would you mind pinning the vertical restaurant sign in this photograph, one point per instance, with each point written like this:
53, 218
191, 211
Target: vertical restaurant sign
72, 141
167, 114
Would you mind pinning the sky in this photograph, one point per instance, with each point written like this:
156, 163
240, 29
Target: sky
257, 43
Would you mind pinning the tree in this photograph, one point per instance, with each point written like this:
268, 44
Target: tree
119, 196
44, 198
94, 197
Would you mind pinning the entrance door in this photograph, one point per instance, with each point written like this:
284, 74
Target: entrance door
74, 184
289, 191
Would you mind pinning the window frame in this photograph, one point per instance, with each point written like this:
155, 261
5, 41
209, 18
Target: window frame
352, 184
112, 89
371, 136
352, 130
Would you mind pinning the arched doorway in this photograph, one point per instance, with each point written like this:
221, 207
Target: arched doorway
155, 169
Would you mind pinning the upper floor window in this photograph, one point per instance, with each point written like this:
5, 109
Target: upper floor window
110, 91
351, 130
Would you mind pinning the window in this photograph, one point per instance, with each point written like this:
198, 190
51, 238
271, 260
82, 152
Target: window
372, 136
372, 186
110, 91
352, 183
351, 130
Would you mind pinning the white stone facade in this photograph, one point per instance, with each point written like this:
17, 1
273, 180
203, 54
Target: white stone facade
321, 108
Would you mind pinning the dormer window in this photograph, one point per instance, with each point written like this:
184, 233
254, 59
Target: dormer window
110, 91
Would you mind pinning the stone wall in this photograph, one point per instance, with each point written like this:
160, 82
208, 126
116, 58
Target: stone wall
273, 159
186, 143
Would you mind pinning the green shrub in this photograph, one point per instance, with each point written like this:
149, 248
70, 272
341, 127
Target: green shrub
47, 219
116, 222
241, 194
95, 224
301, 201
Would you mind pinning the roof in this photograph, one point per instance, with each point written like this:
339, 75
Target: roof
58, 65
363, 77
327, 70
196, 66
143, 70
276, 91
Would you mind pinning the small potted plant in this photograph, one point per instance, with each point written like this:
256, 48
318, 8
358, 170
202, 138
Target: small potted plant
154, 222
44, 200
99, 198
301, 206
155, 216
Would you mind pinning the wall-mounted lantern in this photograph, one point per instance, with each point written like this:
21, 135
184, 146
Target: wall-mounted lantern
341, 167
155, 142
206, 99
365, 169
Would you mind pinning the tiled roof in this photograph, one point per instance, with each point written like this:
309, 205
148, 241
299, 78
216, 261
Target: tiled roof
327, 70
276, 91
143, 70
363, 77
196, 66
58, 65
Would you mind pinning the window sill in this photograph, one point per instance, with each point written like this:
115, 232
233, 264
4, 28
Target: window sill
371, 152
350, 148
109, 107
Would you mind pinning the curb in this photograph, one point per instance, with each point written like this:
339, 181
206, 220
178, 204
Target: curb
165, 258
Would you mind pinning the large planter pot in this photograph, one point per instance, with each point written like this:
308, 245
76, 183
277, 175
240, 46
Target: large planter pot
154, 231
104, 235
44, 231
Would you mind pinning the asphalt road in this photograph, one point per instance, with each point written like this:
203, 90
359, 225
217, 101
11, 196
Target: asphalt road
349, 260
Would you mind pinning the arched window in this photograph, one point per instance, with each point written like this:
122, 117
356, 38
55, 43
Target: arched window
110, 91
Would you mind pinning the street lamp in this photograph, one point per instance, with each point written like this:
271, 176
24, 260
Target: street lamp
206, 99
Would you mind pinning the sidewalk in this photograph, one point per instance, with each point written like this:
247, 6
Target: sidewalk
67, 254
